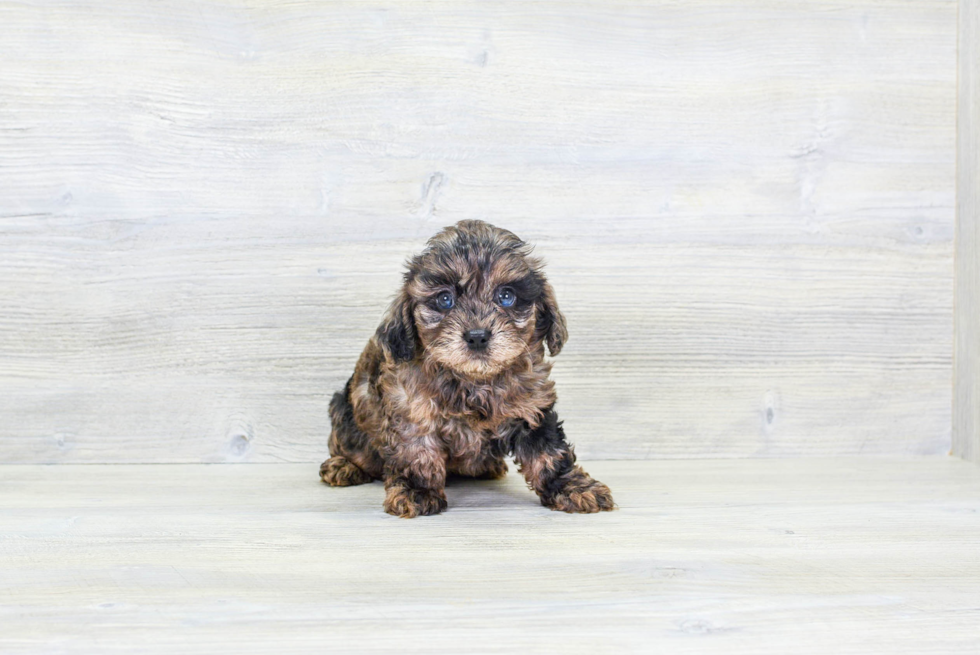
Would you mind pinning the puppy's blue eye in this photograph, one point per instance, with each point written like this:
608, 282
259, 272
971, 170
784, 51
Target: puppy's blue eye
506, 297
445, 300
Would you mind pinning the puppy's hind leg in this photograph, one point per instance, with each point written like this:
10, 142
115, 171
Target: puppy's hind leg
494, 469
341, 472
349, 446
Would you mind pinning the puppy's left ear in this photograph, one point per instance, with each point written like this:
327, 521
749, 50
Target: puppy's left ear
397, 330
551, 322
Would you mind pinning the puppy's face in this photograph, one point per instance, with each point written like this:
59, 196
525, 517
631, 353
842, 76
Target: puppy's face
475, 308
474, 302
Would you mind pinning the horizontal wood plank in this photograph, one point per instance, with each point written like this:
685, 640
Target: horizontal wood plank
859, 555
747, 209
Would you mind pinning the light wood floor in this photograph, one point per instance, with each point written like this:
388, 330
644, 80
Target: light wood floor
739, 556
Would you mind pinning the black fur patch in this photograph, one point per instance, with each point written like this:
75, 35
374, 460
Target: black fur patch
548, 437
528, 289
398, 340
544, 323
350, 437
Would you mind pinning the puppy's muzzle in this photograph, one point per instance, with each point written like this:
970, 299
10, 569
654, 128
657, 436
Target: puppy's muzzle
477, 340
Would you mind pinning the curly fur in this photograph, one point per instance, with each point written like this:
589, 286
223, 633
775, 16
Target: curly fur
422, 404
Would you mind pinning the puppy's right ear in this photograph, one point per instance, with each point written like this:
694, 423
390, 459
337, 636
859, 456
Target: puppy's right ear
397, 330
551, 322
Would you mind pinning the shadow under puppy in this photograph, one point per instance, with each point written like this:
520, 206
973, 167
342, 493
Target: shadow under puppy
455, 379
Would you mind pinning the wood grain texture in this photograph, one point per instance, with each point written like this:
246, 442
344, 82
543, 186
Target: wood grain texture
861, 555
966, 402
748, 210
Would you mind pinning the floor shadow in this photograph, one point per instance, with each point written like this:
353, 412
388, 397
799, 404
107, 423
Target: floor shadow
463, 491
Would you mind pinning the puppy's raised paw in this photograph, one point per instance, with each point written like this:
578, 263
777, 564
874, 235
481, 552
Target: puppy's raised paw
408, 503
580, 494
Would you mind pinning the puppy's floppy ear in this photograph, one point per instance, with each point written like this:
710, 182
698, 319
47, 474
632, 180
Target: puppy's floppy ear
551, 322
397, 330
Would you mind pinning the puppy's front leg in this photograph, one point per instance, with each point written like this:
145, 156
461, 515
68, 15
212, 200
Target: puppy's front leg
415, 477
548, 464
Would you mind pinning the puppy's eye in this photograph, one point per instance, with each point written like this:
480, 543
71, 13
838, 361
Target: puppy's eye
506, 296
445, 301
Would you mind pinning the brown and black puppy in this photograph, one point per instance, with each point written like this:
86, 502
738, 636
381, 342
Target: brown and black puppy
455, 379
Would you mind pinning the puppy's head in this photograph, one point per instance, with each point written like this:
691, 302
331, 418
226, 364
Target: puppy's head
473, 301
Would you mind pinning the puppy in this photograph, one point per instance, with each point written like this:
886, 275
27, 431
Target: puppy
455, 379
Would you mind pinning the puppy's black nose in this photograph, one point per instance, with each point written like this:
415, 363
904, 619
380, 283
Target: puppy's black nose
477, 339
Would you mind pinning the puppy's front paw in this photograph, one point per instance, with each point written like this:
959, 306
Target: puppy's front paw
409, 503
578, 493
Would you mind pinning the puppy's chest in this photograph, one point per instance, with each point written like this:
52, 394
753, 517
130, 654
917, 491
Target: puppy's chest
484, 407
471, 420
464, 440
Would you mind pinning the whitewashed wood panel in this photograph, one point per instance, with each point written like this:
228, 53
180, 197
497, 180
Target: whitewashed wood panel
966, 402
811, 556
747, 208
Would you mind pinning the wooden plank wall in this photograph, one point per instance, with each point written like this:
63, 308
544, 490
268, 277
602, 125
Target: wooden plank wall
966, 404
748, 210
